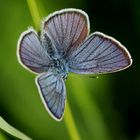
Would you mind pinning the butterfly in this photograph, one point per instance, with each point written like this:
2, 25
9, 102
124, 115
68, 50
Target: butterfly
64, 45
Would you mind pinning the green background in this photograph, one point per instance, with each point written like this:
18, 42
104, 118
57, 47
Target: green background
107, 108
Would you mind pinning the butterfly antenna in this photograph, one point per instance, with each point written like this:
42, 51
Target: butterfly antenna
85, 76
94, 77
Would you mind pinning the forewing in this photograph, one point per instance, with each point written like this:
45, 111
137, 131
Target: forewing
99, 53
53, 93
67, 29
31, 53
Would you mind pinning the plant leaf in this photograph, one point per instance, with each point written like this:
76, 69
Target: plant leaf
11, 130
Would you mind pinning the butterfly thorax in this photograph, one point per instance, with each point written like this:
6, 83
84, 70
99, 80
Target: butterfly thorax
60, 67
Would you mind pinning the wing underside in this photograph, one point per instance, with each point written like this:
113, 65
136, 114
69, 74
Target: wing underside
99, 53
31, 53
67, 29
53, 93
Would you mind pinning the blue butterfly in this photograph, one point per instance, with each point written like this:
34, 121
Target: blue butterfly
65, 46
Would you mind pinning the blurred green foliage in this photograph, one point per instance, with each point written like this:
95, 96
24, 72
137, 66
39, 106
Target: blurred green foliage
106, 108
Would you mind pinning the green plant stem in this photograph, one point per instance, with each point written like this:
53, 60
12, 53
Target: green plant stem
97, 126
69, 121
68, 118
34, 13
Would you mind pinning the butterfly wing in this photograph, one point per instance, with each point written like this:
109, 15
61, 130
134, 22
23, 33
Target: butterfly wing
67, 29
53, 93
99, 53
31, 53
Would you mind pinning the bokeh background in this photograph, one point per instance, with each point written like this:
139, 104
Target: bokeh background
107, 108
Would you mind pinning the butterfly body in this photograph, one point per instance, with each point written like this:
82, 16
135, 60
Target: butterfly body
60, 67
65, 46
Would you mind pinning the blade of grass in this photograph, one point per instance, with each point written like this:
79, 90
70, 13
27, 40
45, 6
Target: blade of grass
69, 121
11, 130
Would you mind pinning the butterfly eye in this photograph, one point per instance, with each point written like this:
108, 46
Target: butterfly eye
65, 76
